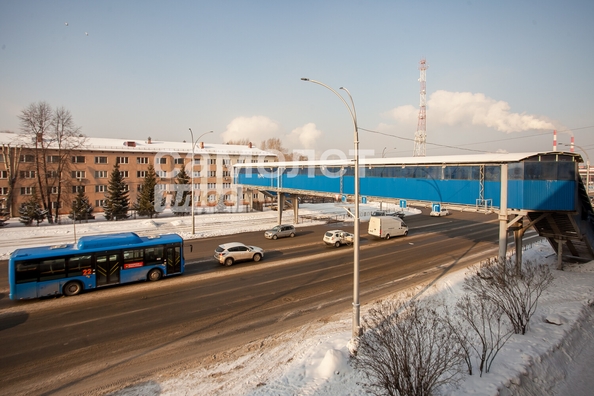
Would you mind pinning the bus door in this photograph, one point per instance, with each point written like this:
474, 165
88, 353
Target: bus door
173, 256
107, 270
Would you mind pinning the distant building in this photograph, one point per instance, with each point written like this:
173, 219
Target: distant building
89, 167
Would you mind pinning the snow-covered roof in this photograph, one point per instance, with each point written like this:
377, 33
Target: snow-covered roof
133, 145
487, 158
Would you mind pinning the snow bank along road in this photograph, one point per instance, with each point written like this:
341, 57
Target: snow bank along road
105, 339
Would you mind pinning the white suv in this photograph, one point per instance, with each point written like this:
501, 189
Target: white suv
228, 253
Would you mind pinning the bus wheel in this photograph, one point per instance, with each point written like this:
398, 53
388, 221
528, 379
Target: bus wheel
154, 275
72, 288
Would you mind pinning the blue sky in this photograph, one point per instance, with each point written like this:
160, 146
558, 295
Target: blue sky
502, 74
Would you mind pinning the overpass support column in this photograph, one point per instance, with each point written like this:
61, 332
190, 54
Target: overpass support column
503, 215
518, 235
295, 209
280, 200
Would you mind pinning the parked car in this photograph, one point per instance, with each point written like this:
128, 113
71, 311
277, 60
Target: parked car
281, 231
378, 213
441, 212
229, 253
338, 238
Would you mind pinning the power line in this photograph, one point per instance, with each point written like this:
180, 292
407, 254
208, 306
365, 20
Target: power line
460, 147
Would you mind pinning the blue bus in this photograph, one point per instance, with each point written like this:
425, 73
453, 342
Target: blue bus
94, 261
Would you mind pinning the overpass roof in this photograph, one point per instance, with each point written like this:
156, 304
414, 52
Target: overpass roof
470, 159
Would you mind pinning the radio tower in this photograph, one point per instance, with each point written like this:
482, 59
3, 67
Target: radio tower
421, 134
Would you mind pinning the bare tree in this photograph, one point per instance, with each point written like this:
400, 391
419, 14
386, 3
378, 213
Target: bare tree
275, 146
52, 135
11, 153
239, 142
489, 331
407, 349
516, 294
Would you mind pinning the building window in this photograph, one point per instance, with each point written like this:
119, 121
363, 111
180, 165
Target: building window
126, 187
27, 190
100, 188
55, 190
100, 174
53, 174
76, 189
3, 190
161, 173
78, 159
3, 174
226, 185
99, 203
254, 161
226, 161
241, 161
212, 186
212, 161
227, 197
161, 160
27, 174
78, 174
56, 205
196, 161
212, 197
142, 160
124, 173
212, 173
160, 187
122, 160
226, 173
139, 187
101, 160
26, 158
178, 161
255, 196
196, 173
54, 159
140, 173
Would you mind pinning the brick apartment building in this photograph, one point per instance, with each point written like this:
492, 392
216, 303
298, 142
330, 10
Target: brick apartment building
89, 166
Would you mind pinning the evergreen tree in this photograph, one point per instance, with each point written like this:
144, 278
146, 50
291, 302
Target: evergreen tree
117, 201
179, 204
3, 212
32, 211
145, 203
81, 207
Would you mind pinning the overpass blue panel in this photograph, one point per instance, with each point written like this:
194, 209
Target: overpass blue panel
307, 183
542, 194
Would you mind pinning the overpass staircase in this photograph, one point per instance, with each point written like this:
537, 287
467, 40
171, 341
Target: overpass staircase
574, 230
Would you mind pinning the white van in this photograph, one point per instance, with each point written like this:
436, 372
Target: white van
387, 226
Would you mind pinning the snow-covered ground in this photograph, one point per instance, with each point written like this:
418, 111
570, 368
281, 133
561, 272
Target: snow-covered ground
553, 358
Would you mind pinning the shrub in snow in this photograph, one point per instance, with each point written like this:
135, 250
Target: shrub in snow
407, 349
515, 292
489, 330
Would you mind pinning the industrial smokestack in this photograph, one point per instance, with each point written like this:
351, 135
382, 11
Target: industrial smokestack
555, 140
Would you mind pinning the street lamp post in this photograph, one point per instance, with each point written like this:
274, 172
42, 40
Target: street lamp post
356, 306
192, 176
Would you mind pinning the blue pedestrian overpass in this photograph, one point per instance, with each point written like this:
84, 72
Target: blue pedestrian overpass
541, 189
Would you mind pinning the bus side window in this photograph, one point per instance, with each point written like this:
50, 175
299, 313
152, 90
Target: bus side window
80, 265
153, 255
133, 258
52, 269
26, 271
